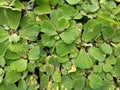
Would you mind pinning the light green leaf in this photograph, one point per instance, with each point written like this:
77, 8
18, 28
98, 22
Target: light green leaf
95, 81
107, 68
48, 28
22, 85
63, 49
3, 47
62, 23
34, 53
12, 77
79, 83
3, 34
97, 68
18, 4
117, 67
66, 83
49, 69
91, 29
42, 9
19, 65
44, 81
13, 18
69, 35
14, 38
2, 61
73, 2
111, 60
83, 60
47, 40
56, 77
29, 32
102, 16
97, 53
54, 61
106, 48
1, 75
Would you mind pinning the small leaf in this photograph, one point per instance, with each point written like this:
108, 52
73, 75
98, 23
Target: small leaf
97, 68
3, 35
48, 28
95, 81
97, 53
72, 33
19, 65
56, 77
106, 48
34, 53
42, 9
107, 68
62, 23
2, 61
117, 67
73, 2
14, 38
3, 47
63, 49
111, 60
83, 60
12, 77
66, 83
44, 81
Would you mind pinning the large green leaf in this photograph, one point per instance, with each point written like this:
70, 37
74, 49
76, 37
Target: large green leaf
19, 65
68, 36
63, 49
83, 60
3, 35
48, 28
95, 81
34, 53
12, 77
13, 18
3, 47
29, 32
91, 29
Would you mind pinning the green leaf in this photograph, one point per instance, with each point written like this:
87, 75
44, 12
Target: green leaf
13, 18
18, 4
56, 77
90, 8
48, 28
1, 75
12, 77
44, 81
49, 69
91, 29
107, 68
3, 34
42, 9
47, 40
2, 61
29, 32
106, 48
117, 67
111, 60
79, 83
97, 53
97, 68
69, 35
62, 23
3, 47
54, 61
34, 53
95, 81
19, 65
83, 60
72, 2
108, 32
102, 16
11, 55
63, 49
22, 85
66, 83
